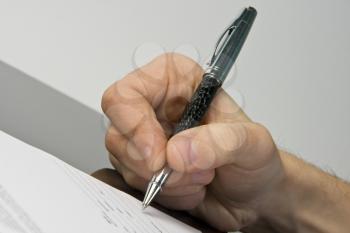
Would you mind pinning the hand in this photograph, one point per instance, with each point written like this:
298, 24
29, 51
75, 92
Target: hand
227, 171
222, 169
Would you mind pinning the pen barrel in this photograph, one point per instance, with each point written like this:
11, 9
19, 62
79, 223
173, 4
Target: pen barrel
222, 61
199, 104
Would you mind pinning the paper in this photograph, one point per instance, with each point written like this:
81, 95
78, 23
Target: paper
41, 194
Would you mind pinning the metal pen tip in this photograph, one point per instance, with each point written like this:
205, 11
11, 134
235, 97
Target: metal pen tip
152, 190
155, 185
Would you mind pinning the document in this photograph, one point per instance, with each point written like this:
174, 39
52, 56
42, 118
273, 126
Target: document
42, 194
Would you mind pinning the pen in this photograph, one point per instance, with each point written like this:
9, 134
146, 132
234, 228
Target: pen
226, 51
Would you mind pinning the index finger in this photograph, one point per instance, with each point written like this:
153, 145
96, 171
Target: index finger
128, 104
134, 103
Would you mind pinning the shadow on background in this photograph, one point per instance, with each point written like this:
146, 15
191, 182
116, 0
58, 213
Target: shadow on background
45, 118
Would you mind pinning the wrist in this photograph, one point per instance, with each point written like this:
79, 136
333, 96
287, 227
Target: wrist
307, 200
282, 204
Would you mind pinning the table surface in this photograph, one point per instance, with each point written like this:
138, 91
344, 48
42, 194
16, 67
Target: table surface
292, 75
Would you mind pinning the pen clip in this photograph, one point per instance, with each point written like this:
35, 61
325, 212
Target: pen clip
221, 41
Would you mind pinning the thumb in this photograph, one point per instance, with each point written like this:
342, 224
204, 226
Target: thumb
215, 145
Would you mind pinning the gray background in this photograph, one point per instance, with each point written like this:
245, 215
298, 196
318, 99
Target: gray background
292, 75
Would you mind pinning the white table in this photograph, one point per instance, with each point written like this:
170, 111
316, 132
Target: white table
292, 75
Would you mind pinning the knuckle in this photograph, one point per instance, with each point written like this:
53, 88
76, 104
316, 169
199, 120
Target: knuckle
109, 140
107, 98
261, 131
114, 93
264, 139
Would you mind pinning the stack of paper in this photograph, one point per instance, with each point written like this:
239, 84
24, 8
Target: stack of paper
41, 194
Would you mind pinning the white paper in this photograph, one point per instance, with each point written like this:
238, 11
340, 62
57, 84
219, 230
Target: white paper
41, 194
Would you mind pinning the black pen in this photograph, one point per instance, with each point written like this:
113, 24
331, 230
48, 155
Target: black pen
226, 51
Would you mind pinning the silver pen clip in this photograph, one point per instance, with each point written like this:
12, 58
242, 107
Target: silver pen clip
221, 42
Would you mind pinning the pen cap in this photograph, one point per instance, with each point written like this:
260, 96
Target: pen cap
235, 36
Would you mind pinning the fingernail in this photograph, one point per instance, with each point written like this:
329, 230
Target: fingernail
145, 145
183, 147
207, 157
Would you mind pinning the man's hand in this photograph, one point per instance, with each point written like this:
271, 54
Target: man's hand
223, 168
227, 171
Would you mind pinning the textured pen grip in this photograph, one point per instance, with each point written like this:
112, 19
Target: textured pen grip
199, 103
